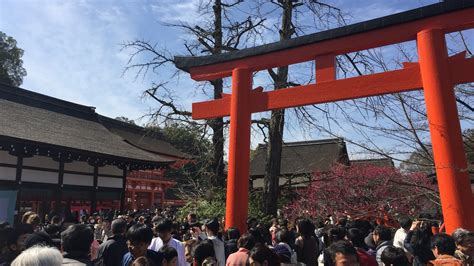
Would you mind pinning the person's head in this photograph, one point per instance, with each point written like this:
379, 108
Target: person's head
394, 256
77, 238
141, 261
119, 227
138, 239
305, 227
246, 241
163, 228
34, 220
464, 241
170, 256
233, 233
202, 251
283, 236
333, 233
442, 244
25, 216
274, 222
55, 220
39, 256
342, 253
381, 233
188, 250
252, 223
405, 222
192, 218
261, 255
38, 238
356, 237
212, 227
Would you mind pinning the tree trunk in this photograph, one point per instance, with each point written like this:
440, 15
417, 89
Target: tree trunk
217, 125
275, 131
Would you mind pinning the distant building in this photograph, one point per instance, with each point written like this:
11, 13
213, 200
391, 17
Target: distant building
301, 160
60, 156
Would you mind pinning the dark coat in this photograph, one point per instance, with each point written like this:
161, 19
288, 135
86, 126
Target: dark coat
111, 251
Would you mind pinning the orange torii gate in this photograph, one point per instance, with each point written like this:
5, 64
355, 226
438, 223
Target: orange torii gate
436, 74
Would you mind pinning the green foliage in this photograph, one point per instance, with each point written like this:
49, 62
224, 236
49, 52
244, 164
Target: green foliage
11, 65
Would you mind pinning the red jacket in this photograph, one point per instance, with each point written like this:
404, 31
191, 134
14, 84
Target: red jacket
365, 259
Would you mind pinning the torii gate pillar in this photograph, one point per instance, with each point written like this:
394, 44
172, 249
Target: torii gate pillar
451, 166
239, 150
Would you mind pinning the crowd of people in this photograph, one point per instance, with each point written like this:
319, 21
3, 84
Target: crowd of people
157, 238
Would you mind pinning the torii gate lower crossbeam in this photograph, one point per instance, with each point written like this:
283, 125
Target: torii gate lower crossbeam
435, 73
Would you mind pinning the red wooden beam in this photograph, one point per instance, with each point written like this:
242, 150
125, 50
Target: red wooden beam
461, 71
454, 21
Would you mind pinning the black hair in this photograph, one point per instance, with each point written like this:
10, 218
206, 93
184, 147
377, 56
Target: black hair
405, 222
118, 226
56, 219
77, 238
444, 243
213, 225
233, 233
383, 232
333, 234
257, 235
246, 241
394, 256
343, 247
38, 238
283, 236
305, 227
203, 250
164, 225
139, 233
356, 237
168, 252
261, 253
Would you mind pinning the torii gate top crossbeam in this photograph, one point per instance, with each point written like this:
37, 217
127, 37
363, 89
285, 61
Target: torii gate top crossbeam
449, 16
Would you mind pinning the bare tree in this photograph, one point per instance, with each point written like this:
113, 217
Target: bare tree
219, 32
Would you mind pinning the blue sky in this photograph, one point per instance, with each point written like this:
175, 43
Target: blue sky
72, 48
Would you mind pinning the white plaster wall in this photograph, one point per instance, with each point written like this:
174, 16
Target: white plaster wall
110, 170
79, 166
7, 173
7, 158
41, 161
39, 176
103, 181
78, 180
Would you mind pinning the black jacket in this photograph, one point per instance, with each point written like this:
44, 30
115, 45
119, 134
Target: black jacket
111, 251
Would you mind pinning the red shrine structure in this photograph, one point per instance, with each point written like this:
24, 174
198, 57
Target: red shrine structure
435, 74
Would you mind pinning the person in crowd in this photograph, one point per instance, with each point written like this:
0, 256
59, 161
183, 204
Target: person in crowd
112, 251
39, 256
188, 250
306, 245
203, 252
138, 239
443, 248
341, 253
282, 239
245, 243
273, 230
417, 242
163, 228
356, 237
13, 241
141, 261
261, 255
464, 241
35, 221
212, 232
230, 245
170, 256
25, 216
382, 237
76, 243
394, 256
38, 238
401, 234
